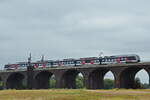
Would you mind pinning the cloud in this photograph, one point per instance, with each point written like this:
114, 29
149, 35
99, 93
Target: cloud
62, 29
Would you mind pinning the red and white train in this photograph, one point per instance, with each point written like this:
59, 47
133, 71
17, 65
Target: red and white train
132, 58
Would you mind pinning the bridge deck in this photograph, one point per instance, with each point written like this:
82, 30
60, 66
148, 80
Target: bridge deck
84, 66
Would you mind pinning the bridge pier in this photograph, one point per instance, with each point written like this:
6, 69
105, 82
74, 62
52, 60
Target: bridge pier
148, 71
96, 78
68, 79
96, 81
42, 80
4, 84
59, 83
116, 73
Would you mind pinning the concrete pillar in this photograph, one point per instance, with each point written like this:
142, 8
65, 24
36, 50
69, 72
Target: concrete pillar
95, 80
117, 82
148, 71
30, 74
59, 83
86, 82
59, 79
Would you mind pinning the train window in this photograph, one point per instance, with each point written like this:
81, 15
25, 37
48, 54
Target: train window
107, 59
6, 66
61, 62
78, 62
113, 60
110, 60
122, 59
22, 65
103, 60
69, 62
48, 64
131, 58
64, 62
87, 61
55, 63
32, 64
72, 62
96, 61
51, 63
40, 64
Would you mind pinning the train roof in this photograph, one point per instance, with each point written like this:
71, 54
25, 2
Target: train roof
125, 55
88, 58
22, 62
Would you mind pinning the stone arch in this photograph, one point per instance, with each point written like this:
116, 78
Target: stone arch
127, 77
143, 76
42, 80
68, 79
96, 78
15, 81
109, 80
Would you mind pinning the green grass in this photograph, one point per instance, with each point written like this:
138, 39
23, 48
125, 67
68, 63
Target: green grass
80, 94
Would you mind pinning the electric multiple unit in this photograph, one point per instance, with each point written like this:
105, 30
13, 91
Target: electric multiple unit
118, 59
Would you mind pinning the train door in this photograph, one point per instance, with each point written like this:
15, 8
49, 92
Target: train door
35, 65
83, 62
78, 62
118, 60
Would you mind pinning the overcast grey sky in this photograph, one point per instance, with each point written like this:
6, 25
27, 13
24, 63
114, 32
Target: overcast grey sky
73, 28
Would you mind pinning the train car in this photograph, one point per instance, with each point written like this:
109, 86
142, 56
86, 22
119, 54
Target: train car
120, 59
22, 65
131, 58
39, 64
88, 60
11, 67
116, 59
69, 62
17, 66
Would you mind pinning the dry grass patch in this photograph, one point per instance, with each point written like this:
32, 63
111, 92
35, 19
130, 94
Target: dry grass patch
83, 94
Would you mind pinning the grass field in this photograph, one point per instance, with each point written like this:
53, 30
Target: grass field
83, 94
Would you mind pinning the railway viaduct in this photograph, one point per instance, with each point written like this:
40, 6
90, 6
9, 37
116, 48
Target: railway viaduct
93, 75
